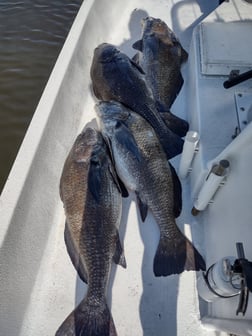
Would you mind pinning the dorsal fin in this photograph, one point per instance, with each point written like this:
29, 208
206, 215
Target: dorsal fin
138, 45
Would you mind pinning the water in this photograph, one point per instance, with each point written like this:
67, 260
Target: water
32, 33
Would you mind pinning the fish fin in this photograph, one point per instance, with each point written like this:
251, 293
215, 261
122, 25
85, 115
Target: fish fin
138, 45
137, 66
143, 207
88, 319
175, 124
119, 257
175, 255
171, 143
126, 139
177, 192
135, 58
94, 180
124, 190
78, 265
120, 185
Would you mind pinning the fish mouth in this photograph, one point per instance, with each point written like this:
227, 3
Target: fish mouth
152, 25
147, 24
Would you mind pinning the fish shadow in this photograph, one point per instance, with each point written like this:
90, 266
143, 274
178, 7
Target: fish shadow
135, 31
158, 305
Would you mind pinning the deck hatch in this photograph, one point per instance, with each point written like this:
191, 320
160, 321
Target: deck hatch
225, 46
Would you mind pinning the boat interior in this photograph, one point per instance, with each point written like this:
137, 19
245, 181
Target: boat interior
39, 285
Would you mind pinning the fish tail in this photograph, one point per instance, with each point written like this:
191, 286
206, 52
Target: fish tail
171, 143
177, 125
88, 320
173, 256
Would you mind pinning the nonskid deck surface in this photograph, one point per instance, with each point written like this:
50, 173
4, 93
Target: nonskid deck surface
140, 303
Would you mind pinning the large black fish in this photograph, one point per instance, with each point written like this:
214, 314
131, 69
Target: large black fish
116, 77
161, 56
91, 196
142, 165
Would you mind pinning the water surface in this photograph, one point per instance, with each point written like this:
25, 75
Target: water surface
32, 33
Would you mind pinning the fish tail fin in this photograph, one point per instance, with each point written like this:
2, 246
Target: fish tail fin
88, 320
177, 125
173, 256
172, 143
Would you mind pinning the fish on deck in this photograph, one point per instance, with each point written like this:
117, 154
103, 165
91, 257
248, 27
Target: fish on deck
116, 77
91, 195
142, 166
161, 56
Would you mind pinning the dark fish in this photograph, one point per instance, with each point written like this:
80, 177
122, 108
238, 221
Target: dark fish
142, 165
161, 56
91, 196
116, 77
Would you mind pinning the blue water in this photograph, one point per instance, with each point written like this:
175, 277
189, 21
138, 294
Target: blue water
32, 34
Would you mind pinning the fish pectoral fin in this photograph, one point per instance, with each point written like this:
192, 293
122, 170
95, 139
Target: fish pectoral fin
127, 140
138, 67
143, 207
119, 257
73, 254
119, 183
94, 180
177, 192
124, 190
109, 145
138, 45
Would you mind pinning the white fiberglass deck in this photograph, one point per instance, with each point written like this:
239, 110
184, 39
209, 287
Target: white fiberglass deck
39, 286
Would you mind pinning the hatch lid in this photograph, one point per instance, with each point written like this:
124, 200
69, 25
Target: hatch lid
225, 46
